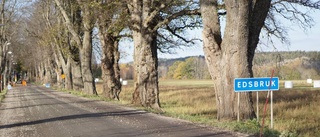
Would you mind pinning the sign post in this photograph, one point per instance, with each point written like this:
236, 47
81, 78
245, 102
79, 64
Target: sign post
271, 113
256, 84
63, 76
257, 106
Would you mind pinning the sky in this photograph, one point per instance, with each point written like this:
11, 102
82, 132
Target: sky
308, 40
300, 40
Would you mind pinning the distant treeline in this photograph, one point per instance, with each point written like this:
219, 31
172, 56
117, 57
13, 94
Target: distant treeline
287, 65
187, 68
273, 57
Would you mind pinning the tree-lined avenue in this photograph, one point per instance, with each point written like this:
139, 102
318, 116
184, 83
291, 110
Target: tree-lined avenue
38, 111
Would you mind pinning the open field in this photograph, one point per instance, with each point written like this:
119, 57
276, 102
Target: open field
295, 110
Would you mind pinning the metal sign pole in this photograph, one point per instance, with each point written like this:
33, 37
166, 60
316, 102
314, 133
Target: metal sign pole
257, 106
238, 106
271, 107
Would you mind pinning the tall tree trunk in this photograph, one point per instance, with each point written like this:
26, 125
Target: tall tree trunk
232, 57
4, 63
5, 72
86, 69
116, 66
109, 29
109, 65
76, 75
36, 68
136, 35
47, 75
257, 18
68, 80
147, 76
145, 55
58, 69
228, 59
2, 45
84, 42
41, 73
86, 47
58, 77
63, 63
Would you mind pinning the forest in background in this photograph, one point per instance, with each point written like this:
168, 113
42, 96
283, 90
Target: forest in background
293, 65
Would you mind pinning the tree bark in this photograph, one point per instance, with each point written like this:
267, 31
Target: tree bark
228, 59
86, 69
232, 57
145, 54
64, 63
47, 76
58, 69
76, 75
257, 18
135, 8
147, 78
110, 67
68, 80
109, 30
86, 48
83, 42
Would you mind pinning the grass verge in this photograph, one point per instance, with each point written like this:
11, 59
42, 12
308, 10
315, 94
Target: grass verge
295, 110
2, 94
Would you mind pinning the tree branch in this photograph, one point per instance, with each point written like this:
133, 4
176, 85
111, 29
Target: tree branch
176, 15
68, 22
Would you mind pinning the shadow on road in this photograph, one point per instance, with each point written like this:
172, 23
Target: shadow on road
50, 104
70, 117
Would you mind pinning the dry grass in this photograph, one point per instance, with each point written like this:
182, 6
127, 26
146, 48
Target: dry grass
2, 94
185, 102
295, 110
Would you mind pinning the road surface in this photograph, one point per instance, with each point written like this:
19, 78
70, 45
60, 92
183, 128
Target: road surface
35, 111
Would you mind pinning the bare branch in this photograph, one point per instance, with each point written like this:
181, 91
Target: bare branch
176, 15
306, 3
288, 9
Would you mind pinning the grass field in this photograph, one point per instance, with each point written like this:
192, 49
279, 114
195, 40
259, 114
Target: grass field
295, 110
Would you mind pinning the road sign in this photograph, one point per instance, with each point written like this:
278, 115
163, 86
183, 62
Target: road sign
256, 84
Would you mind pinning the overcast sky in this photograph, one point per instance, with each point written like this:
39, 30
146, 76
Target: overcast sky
299, 40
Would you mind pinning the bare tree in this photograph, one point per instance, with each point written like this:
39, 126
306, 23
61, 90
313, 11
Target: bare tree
231, 56
83, 39
147, 17
42, 32
8, 19
296, 11
112, 19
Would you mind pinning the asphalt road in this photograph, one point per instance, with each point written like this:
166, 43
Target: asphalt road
34, 111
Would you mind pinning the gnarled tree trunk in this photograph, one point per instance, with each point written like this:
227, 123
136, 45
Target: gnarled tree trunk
147, 78
145, 54
76, 75
110, 67
86, 69
231, 57
86, 48
84, 42
109, 30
